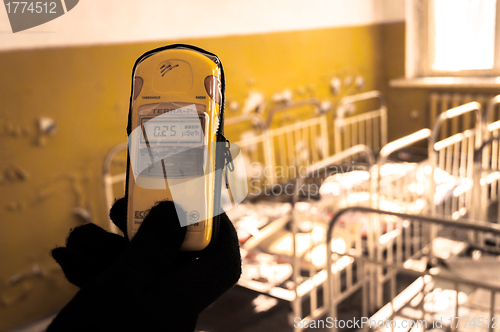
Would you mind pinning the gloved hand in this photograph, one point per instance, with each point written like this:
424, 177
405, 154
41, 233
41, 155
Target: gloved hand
144, 284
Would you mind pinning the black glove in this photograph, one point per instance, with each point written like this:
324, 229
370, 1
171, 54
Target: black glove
145, 284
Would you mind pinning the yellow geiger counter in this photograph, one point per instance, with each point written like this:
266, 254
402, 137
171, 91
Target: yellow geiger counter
176, 117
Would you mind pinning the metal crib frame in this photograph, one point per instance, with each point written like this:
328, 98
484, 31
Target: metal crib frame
487, 174
349, 131
396, 267
290, 105
485, 190
275, 147
455, 155
279, 147
401, 181
308, 288
393, 188
489, 170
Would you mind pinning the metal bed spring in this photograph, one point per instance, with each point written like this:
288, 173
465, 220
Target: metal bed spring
369, 128
399, 189
394, 310
455, 156
309, 294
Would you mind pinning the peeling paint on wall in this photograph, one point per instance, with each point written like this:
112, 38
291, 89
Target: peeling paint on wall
49, 189
19, 286
45, 127
13, 174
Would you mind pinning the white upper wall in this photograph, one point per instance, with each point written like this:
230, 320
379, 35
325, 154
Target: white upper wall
121, 21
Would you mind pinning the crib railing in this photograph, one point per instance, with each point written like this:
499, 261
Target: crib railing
394, 266
368, 128
455, 156
311, 286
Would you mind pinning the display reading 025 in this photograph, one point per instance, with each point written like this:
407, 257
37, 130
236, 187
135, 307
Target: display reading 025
162, 131
174, 131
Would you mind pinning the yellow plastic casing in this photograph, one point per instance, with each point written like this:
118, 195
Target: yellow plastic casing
164, 81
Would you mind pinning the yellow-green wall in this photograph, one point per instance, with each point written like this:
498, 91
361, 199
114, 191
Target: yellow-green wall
85, 90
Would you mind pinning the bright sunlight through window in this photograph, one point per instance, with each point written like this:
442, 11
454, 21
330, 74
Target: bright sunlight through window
464, 34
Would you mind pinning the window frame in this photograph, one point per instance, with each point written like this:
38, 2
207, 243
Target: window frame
420, 50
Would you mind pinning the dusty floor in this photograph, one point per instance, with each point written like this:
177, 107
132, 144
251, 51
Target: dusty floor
235, 312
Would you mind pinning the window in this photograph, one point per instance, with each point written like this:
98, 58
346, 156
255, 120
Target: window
453, 38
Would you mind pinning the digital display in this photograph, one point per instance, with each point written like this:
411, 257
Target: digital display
171, 140
173, 131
